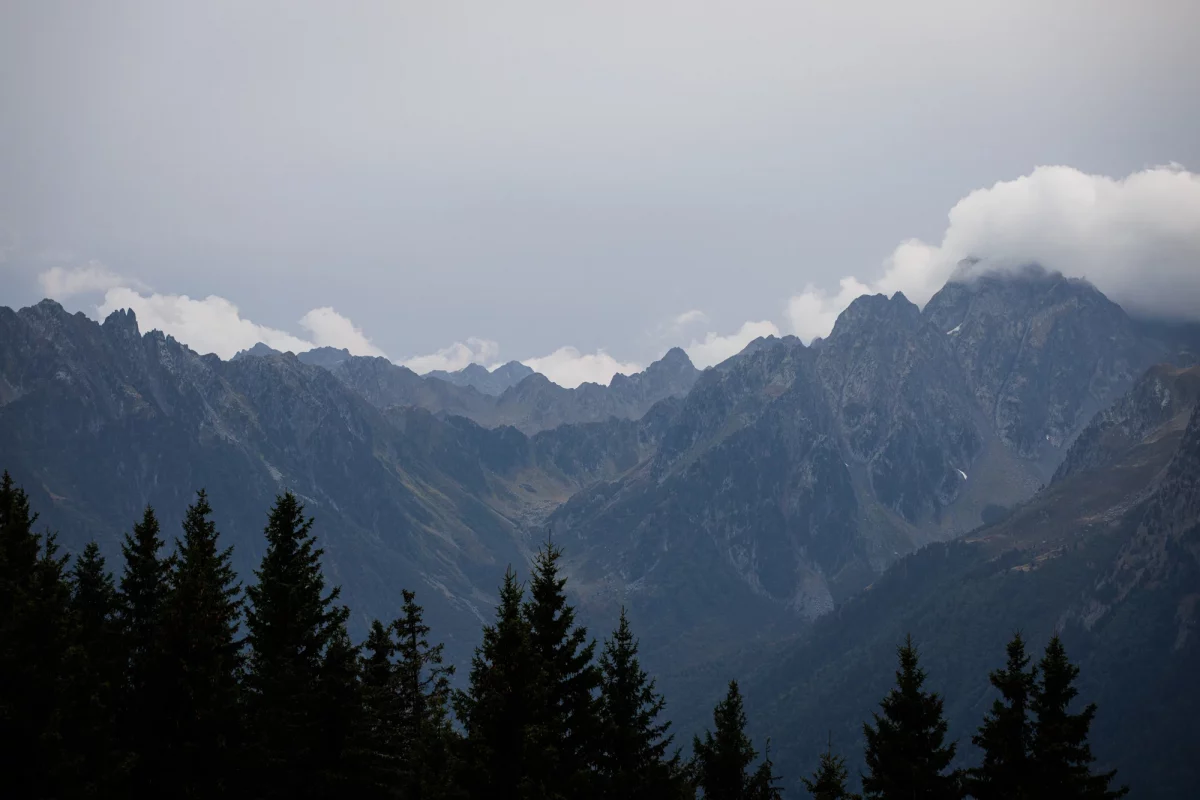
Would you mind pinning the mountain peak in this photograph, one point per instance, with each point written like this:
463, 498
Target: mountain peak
327, 357
876, 309
259, 350
46, 309
50, 305
122, 321
676, 355
675, 361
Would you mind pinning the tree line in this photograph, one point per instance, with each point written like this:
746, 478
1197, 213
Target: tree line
174, 680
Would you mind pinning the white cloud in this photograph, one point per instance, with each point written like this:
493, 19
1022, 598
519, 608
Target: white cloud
211, 325
693, 317
456, 356
714, 349
567, 367
330, 329
812, 313
1136, 238
63, 282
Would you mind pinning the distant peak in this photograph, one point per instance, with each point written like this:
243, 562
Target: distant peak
49, 307
676, 356
259, 350
123, 321
513, 368
475, 369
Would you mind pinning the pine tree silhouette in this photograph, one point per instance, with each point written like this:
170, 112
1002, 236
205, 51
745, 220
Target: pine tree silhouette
1006, 734
633, 759
142, 705
568, 728
830, 779
1062, 758
500, 750
906, 752
202, 657
291, 622
722, 758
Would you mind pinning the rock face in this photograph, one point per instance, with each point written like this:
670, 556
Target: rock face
1165, 550
1040, 353
902, 407
1161, 401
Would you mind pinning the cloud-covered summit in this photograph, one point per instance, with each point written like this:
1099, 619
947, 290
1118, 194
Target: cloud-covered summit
1137, 239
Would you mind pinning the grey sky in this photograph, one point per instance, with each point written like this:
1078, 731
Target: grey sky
542, 174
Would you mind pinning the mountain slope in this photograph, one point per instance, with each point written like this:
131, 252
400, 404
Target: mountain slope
98, 420
1108, 555
1041, 353
791, 476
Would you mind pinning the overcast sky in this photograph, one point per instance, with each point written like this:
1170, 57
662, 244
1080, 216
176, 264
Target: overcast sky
440, 181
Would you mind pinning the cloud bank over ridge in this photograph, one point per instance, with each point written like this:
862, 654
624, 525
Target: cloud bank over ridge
1137, 239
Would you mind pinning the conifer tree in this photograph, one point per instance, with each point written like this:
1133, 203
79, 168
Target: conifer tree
906, 753
338, 703
35, 628
633, 761
501, 747
423, 690
722, 759
291, 621
95, 671
764, 783
1006, 733
202, 656
829, 781
383, 771
569, 724
142, 705
1062, 758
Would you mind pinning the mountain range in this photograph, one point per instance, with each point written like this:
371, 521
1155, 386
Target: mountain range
1018, 452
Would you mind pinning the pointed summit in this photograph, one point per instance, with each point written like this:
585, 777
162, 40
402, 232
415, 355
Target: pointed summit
676, 355
123, 322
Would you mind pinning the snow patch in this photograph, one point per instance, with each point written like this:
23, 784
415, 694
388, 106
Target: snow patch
955, 330
276, 475
960, 472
